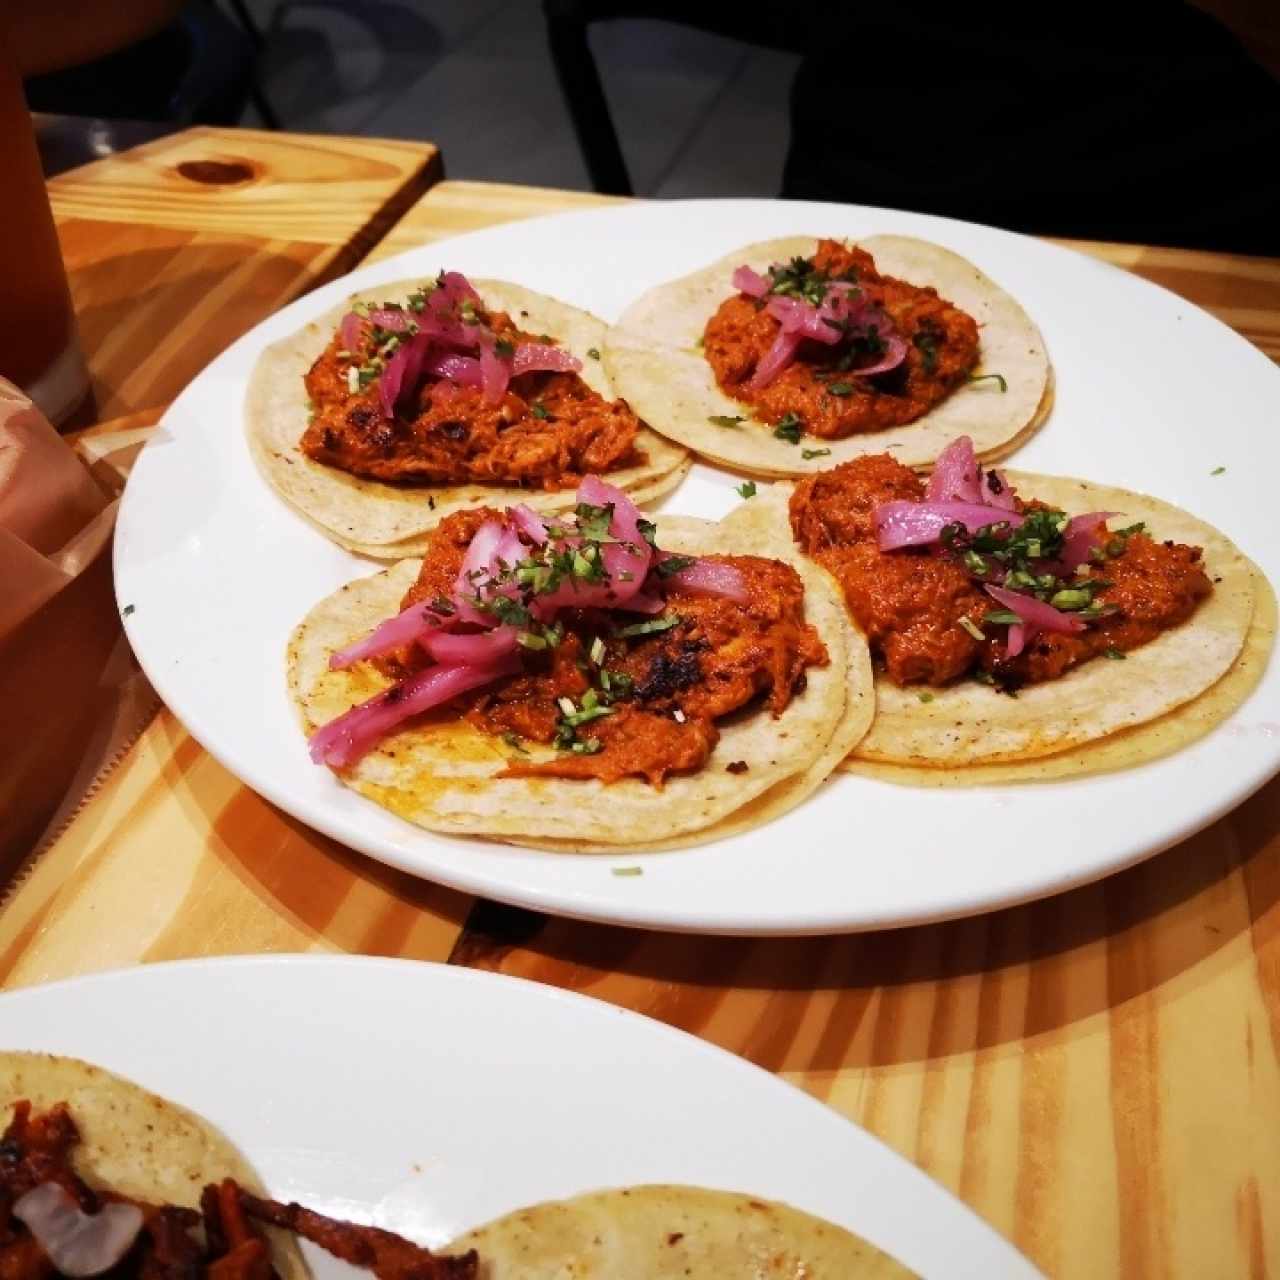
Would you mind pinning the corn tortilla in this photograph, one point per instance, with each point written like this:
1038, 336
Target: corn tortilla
656, 1232
440, 771
388, 521
654, 361
1102, 715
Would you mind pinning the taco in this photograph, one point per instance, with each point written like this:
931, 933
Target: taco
130, 1142
792, 355
412, 401
591, 682
652, 1232
101, 1177
1025, 627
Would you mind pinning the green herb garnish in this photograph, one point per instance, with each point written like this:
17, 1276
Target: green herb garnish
628, 871
925, 697
504, 348
1113, 653
652, 626
926, 342
726, 420
514, 743
1002, 617
593, 353
1217, 471
747, 489
809, 454
971, 627
790, 428
840, 388
539, 410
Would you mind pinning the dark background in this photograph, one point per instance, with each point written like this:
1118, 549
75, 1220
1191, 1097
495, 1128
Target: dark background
1136, 121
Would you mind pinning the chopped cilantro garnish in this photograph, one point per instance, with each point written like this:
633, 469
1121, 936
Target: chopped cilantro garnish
594, 522
504, 348
127, 610
989, 377
539, 410
648, 530
809, 454
926, 341
1071, 598
1002, 617
1217, 471
747, 489
652, 626
925, 697
1113, 653
840, 388
798, 279
514, 743
726, 419
790, 428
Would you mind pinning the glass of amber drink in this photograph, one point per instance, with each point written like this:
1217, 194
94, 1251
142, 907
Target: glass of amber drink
39, 346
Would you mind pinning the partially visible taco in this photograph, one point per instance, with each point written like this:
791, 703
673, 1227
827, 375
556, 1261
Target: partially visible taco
415, 400
656, 1232
100, 1177
583, 683
1026, 627
131, 1142
796, 354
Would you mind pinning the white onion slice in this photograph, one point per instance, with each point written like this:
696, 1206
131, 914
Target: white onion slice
78, 1243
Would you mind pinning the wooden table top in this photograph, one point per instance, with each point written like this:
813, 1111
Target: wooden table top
1097, 1074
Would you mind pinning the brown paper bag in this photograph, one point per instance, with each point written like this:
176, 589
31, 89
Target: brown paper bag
54, 520
65, 669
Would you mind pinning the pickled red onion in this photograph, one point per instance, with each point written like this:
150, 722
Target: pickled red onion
1081, 536
1020, 633
462, 371
750, 282
350, 332
711, 578
955, 474
392, 319
532, 357
779, 355
342, 742
530, 523
1035, 612
916, 524
477, 649
626, 561
411, 624
495, 373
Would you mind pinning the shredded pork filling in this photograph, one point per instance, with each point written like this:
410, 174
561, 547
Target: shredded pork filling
820, 394
645, 705
914, 603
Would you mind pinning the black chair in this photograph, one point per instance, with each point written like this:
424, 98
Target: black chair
568, 23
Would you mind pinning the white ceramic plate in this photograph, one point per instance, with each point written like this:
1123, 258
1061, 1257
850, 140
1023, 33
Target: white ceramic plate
1152, 394
428, 1100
